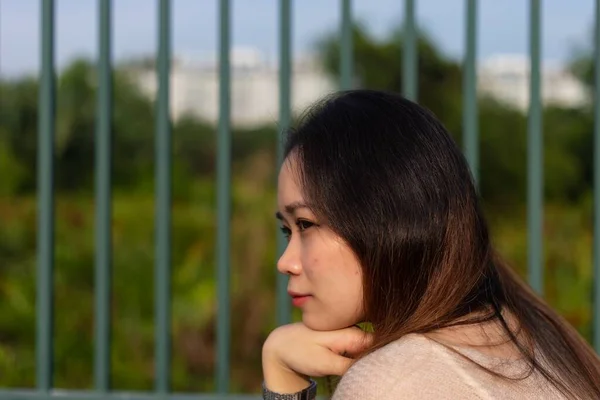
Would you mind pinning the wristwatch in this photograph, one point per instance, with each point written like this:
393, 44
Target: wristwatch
310, 393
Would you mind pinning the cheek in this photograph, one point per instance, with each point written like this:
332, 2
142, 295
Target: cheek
329, 264
314, 258
332, 271
312, 268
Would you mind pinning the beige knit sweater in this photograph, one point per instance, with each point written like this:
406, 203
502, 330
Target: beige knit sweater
416, 367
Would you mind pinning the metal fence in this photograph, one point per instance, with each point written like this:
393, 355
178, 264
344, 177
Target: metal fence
46, 133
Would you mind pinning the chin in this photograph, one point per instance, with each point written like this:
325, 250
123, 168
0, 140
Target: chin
325, 323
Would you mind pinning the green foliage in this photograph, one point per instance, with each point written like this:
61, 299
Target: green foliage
10, 183
194, 291
582, 63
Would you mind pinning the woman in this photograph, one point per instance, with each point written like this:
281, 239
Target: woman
384, 227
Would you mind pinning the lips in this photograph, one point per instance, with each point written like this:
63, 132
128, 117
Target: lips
299, 299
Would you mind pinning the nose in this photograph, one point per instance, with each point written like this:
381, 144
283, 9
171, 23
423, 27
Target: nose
289, 262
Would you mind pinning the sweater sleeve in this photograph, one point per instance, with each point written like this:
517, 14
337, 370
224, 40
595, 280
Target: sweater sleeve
410, 368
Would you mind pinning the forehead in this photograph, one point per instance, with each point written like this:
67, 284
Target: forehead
288, 189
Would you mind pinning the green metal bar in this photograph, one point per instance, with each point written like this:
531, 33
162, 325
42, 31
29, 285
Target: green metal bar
224, 203
534, 156
162, 282
103, 202
284, 307
596, 316
470, 113
45, 182
347, 58
409, 53
89, 395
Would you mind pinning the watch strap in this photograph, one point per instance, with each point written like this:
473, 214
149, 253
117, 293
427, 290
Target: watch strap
310, 393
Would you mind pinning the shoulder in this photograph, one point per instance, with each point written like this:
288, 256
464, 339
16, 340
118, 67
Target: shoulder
411, 367
407, 353
385, 369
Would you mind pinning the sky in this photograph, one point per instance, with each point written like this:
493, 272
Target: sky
502, 27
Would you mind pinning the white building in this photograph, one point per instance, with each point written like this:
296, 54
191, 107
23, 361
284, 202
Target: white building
255, 85
506, 78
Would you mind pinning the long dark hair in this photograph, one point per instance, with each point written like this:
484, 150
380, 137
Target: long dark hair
385, 175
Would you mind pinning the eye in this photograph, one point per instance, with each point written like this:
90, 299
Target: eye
286, 231
303, 224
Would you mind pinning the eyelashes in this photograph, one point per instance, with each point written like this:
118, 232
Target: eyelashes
287, 232
302, 225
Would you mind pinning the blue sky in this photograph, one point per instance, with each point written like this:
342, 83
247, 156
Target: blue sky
503, 25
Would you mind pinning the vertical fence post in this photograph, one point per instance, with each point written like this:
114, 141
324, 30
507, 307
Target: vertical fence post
103, 201
409, 53
223, 202
162, 282
596, 155
470, 113
534, 155
45, 217
346, 56
285, 50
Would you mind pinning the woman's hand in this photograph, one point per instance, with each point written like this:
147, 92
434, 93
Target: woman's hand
293, 353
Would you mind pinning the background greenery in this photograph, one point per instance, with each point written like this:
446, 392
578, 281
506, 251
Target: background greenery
567, 229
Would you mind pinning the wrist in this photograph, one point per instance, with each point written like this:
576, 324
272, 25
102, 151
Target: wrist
281, 379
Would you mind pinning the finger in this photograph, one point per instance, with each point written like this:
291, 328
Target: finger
358, 343
358, 347
349, 341
336, 365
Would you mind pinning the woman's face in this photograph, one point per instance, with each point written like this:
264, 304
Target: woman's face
325, 276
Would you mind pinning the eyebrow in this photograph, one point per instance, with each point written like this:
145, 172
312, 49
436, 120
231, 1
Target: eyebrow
290, 209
